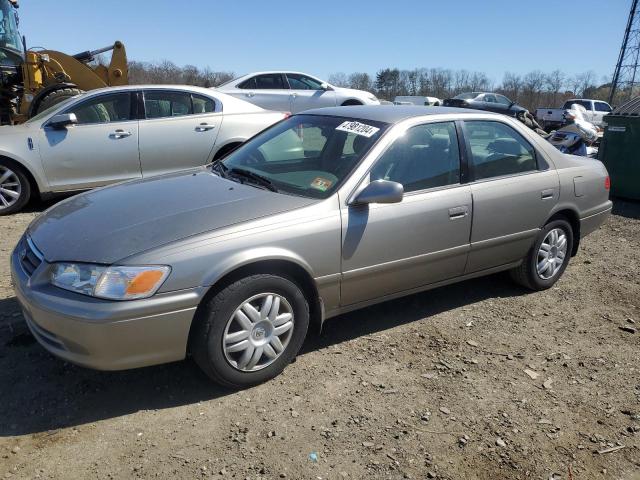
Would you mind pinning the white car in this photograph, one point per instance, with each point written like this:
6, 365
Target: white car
114, 134
417, 100
293, 91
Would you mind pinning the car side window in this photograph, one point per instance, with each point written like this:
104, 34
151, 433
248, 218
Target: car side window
202, 104
426, 156
497, 150
490, 98
248, 84
503, 100
162, 104
270, 81
302, 82
602, 107
115, 107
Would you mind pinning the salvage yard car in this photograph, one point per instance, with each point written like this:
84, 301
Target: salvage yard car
322, 213
490, 102
114, 134
293, 91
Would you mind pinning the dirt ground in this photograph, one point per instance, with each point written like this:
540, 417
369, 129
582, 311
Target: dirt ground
431, 386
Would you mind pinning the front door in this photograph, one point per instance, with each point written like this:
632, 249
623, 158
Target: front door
101, 148
178, 132
390, 248
513, 190
308, 93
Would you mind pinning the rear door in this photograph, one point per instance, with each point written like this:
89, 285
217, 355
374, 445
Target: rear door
307, 93
178, 131
391, 248
514, 192
269, 91
101, 148
601, 109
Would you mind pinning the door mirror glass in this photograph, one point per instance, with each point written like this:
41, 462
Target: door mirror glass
326, 86
380, 191
62, 120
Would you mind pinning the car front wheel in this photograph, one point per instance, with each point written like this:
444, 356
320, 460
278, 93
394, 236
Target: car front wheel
250, 330
548, 258
15, 188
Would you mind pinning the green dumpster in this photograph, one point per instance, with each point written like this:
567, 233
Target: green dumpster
620, 149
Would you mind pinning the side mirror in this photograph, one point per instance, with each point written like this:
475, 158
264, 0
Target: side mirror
326, 87
380, 191
511, 104
62, 120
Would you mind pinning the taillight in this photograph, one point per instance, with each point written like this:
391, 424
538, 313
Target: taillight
607, 183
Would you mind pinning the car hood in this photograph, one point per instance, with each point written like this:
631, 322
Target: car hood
110, 224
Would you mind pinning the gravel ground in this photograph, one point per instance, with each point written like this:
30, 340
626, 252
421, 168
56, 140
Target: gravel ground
476, 380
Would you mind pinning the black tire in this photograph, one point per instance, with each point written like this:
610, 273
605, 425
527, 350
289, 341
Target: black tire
527, 273
23, 188
56, 97
211, 321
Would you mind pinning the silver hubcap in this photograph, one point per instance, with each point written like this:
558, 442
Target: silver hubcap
258, 332
552, 253
10, 188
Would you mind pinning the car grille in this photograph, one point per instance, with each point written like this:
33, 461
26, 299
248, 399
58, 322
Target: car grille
30, 256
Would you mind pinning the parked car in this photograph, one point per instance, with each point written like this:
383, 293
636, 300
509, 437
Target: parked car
490, 102
293, 91
114, 134
552, 118
417, 100
323, 213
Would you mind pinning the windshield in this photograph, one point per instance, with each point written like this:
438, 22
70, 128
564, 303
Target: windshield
9, 35
50, 110
306, 155
467, 96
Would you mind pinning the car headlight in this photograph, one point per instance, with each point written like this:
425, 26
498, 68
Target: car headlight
112, 283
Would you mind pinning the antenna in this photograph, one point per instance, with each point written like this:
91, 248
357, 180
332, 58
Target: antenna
626, 78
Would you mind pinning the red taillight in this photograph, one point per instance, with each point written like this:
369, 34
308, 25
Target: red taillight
607, 183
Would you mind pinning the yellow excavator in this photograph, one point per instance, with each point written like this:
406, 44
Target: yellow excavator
33, 80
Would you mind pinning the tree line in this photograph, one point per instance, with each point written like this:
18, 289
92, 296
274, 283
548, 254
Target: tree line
532, 90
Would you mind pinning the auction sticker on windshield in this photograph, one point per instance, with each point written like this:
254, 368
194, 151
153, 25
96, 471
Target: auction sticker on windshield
358, 128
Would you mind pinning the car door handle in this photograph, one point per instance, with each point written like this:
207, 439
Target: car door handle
119, 134
249, 94
204, 127
458, 212
547, 194
294, 95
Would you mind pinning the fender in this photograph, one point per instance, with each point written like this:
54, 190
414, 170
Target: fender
38, 177
254, 256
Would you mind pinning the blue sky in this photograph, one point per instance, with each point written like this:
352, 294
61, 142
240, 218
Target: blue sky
329, 36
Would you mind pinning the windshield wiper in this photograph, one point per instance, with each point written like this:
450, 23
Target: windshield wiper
255, 177
220, 168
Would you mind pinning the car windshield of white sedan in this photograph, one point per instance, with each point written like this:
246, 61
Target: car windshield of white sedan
306, 155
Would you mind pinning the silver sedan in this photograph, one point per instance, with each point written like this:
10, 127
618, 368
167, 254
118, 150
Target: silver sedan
326, 212
114, 134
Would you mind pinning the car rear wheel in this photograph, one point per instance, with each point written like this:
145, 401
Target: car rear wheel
15, 189
251, 330
548, 258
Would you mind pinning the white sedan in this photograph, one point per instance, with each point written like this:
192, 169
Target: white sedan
293, 91
114, 134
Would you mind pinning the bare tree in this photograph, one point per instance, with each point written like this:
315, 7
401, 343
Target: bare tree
339, 79
555, 83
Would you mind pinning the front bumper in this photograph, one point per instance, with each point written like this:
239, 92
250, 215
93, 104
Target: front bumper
102, 334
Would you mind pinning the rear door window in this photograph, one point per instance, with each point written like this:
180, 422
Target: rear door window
269, 81
202, 104
497, 150
163, 104
602, 107
302, 82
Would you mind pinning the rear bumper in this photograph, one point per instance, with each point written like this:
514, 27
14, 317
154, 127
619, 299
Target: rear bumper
101, 334
592, 222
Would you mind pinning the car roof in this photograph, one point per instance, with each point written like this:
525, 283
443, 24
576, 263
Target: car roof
388, 113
